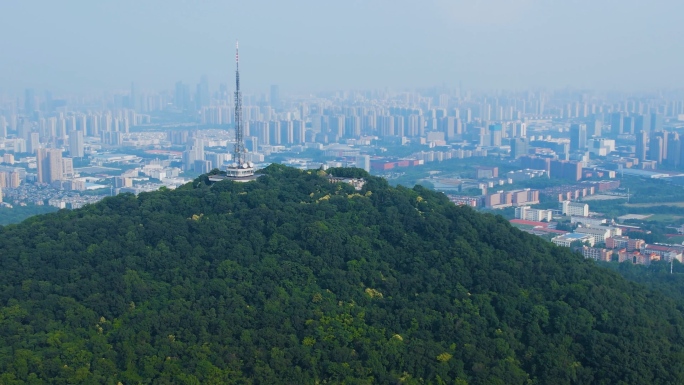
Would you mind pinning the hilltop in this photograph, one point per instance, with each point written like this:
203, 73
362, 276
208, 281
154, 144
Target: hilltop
294, 279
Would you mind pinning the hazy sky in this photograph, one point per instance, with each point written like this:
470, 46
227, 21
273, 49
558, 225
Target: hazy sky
310, 45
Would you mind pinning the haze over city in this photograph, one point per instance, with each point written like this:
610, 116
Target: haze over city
307, 45
370, 192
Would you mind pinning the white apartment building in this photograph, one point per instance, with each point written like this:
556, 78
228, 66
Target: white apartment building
575, 209
529, 214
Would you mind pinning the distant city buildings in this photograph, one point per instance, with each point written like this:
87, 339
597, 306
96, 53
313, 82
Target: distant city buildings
137, 139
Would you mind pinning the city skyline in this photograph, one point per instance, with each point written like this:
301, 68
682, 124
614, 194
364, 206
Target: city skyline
310, 47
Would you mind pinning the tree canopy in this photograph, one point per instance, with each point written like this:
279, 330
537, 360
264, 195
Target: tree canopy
293, 279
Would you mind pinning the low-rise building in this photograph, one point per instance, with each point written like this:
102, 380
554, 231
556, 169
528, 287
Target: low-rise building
567, 239
486, 172
597, 254
624, 242
588, 221
600, 233
465, 201
636, 257
667, 253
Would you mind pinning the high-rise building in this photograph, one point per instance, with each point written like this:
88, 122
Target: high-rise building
49, 162
641, 140
299, 130
656, 122
628, 125
336, 126
655, 150
616, 122
134, 98
30, 101
519, 147
642, 123
594, 128
202, 97
3, 127
33, 143
274, 135
578, 137
14, 180
363, 161
522, 130
495, 131
181, 97
536, 163
24, 129
673, 150
564, 169
76, 145
275, 96
67, 168
286, 132
352, 126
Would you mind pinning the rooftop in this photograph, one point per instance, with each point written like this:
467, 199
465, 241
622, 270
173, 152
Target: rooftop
576, 236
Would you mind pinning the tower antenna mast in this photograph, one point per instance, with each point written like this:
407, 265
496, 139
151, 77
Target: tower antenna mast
239, 151
240, 169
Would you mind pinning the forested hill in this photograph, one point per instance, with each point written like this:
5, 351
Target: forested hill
293, 279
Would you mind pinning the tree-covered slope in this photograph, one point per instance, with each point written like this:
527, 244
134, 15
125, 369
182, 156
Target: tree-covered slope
292, 279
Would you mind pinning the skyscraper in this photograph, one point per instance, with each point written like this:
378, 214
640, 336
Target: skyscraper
202, 98
616, 122
275, 96
181, 98
673, 148
274, 135
641, 139
33, 143
30, 101
519, 147
133, 98
49, 162
628, 125
655, 151
642, 123
578, 137
76, 146
3, 127
495, 131
656, 122
594, 128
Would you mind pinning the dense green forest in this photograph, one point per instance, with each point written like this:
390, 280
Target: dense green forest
18, 213
656, 276
292, 279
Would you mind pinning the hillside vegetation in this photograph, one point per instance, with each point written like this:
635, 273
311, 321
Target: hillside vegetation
292, 279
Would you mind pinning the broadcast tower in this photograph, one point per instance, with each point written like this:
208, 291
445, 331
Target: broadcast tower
240, 168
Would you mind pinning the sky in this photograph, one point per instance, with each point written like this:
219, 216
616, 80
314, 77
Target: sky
323, 45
